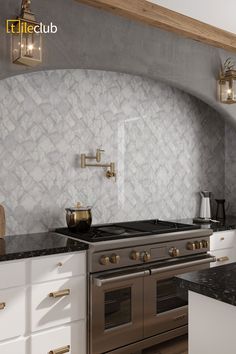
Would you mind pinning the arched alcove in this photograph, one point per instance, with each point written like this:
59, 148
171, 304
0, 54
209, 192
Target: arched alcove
167, 145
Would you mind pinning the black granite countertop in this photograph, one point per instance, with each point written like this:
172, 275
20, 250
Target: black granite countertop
228, 224
218, 283
35, 245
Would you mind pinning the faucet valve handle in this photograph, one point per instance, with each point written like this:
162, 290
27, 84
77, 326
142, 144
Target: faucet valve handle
99, 154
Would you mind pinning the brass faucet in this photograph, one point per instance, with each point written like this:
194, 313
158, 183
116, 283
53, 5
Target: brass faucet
111, 171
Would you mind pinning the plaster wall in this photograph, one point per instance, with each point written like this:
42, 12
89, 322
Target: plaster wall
216, 13
89, 38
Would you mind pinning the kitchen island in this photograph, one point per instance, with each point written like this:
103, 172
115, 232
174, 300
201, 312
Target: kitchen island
212, 309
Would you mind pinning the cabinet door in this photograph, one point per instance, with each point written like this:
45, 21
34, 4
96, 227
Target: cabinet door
57, 267
70, 304
12, 313
224, 239
224, 256
13, 347
70, 339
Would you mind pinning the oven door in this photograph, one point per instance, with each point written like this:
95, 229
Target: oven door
164, 308
116, 313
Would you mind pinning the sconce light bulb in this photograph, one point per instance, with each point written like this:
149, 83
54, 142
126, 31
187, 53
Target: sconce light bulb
30, 47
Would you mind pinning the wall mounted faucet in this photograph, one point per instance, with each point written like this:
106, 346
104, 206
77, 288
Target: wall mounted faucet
111, 171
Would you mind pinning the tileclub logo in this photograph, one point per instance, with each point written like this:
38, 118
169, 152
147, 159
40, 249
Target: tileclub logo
18, 26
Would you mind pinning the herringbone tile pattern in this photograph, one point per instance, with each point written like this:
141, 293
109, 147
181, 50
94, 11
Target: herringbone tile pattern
167, 146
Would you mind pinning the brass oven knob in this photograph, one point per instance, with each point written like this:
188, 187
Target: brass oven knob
191, 246
115, 258
104, 260
145, 256
135, 255
174, 252
205, 243
198, 245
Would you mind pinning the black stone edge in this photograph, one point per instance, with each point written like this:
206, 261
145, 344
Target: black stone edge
43, 252
187, 285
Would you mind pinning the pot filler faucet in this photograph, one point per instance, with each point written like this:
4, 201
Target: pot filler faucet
110, 172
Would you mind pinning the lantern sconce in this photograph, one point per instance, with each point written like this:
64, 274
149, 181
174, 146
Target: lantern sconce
26, 40
227, 83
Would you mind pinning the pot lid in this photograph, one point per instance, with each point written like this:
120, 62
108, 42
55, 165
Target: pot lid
79, 207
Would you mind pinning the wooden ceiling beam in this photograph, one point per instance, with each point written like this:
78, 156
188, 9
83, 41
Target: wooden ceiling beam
161, 17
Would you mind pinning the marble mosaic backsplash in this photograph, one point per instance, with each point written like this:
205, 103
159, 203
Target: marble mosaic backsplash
166, 144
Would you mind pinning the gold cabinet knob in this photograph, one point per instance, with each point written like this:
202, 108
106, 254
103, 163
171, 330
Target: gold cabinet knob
104, 260
135, 255
2, 305
60, 264
61, 350
59, 293
115, 258
223, 259
146, 256
191, 246
174, 252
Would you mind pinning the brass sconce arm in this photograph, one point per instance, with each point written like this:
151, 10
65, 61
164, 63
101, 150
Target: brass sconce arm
111, 172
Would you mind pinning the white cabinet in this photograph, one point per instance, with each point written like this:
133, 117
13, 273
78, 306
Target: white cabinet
57, 267
43, 305
223, 247
70, 338
12, 312
13, 347
68, 304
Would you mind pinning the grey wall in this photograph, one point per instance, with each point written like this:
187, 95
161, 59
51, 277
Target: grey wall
167, 146
89, 38
230, 168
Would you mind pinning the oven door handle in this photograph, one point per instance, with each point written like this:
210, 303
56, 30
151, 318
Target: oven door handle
183, 265
102, 281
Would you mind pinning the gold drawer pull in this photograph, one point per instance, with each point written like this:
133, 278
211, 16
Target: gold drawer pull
60, 293
2, 305
222, 238
222, 259
61, 350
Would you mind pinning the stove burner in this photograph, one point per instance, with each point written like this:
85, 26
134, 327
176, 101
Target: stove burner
128, 229
112, 230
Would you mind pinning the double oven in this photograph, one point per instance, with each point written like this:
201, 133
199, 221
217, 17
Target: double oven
131, 309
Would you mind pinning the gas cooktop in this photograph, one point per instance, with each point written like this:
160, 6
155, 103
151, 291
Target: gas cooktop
129, 229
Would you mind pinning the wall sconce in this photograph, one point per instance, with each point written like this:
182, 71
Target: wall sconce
227, 83
26, 39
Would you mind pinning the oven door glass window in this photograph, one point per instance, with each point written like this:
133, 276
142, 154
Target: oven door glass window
118, 308
167, 296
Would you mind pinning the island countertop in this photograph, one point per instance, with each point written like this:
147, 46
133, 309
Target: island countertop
38, 244
218, 283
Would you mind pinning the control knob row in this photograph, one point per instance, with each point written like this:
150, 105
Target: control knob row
143, 256
114, 259
192, 246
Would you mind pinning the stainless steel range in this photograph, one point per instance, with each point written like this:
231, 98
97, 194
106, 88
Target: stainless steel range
134, 302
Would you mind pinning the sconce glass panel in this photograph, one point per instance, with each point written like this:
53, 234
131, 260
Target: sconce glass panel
228, 87
26, 47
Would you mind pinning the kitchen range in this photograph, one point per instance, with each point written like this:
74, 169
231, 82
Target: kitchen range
133, 298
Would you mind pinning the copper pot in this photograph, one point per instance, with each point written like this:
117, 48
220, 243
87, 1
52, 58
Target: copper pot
79, 218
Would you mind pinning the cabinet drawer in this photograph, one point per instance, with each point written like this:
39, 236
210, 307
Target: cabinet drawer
13, 347
12, 274
224, 256
12, 313
48, 311
225, 239
57, 267
72, 337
